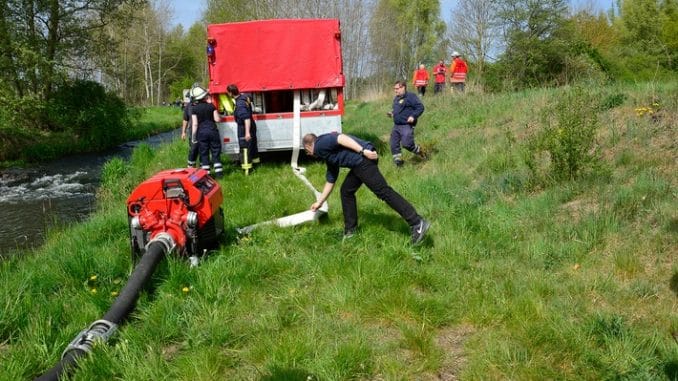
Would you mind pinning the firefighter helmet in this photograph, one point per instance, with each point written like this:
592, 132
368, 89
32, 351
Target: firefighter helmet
198, 93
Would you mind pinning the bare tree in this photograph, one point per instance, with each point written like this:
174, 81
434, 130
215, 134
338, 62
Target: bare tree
474, 31
354, 16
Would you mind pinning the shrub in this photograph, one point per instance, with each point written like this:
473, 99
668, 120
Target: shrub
20, 112
84, 108
564, 148
612, 100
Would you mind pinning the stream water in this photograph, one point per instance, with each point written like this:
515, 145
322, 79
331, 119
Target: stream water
46, 196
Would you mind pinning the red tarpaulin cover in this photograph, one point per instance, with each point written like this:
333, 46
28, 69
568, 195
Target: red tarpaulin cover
276, 55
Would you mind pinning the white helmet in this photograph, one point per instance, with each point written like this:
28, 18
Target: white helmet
456, 54
198, 93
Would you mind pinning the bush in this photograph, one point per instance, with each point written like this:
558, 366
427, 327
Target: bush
20, 112
85, 109
565, 147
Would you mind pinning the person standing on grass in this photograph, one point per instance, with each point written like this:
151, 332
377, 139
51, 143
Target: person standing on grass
186, 130
439, 72
205, 132
458, 71
420, 80
247, 128
407, 108
341, 150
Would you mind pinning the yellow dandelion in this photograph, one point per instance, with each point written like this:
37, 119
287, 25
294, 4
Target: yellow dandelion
93, 291
93, 277
114, 293
185, 289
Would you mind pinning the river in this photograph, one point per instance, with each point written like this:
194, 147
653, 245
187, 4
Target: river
50, 195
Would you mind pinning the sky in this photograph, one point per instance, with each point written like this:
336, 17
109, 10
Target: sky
187, 12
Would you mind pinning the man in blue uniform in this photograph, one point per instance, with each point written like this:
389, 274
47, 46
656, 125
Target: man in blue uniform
407, 108
247, 128
340, 150
205, 133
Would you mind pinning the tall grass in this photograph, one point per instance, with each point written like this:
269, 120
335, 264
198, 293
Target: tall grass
571, 280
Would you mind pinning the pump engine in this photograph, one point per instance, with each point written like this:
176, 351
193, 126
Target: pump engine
181, 204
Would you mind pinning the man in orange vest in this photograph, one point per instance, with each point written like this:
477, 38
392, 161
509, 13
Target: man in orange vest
439, 71
420, 79
458, 71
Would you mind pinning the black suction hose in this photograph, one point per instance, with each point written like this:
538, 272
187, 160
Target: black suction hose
122, 306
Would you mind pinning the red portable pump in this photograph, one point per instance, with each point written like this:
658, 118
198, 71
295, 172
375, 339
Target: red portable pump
174, 211
184, 204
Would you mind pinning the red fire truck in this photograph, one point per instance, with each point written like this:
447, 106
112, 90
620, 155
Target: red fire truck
291, 67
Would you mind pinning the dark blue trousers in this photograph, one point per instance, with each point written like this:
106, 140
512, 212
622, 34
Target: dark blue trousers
402, 135
209, 143
368, 173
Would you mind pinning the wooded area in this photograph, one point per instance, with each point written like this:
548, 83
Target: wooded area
50, 46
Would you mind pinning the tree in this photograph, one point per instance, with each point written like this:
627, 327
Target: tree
648, 31
45, 41
536, 41
145, 59
473, 29
404, 34
238, 10
669, 32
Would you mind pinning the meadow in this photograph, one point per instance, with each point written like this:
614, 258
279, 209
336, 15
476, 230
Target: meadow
552, 255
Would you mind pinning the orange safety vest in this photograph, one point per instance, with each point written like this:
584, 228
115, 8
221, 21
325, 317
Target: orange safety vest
420, 77
458, 70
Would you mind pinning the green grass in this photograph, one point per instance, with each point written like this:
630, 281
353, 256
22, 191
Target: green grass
152, 120
574, 280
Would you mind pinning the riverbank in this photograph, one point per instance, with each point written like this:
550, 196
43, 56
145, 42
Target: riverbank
21, 147
522, 277
53, 194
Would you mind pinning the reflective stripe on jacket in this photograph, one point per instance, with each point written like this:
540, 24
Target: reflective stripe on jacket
458, 70
420, 77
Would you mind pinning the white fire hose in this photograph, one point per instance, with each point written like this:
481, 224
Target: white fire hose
308, 215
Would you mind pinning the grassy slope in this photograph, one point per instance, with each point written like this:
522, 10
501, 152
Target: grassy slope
577, 281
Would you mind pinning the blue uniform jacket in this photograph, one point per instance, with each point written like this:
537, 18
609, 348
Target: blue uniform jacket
242, 111
336, 156
406, 106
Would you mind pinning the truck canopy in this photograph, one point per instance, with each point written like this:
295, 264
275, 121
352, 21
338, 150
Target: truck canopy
276, 55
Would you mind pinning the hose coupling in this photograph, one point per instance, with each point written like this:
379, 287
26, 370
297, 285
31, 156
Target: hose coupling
165, 239
192, 219
100, 330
